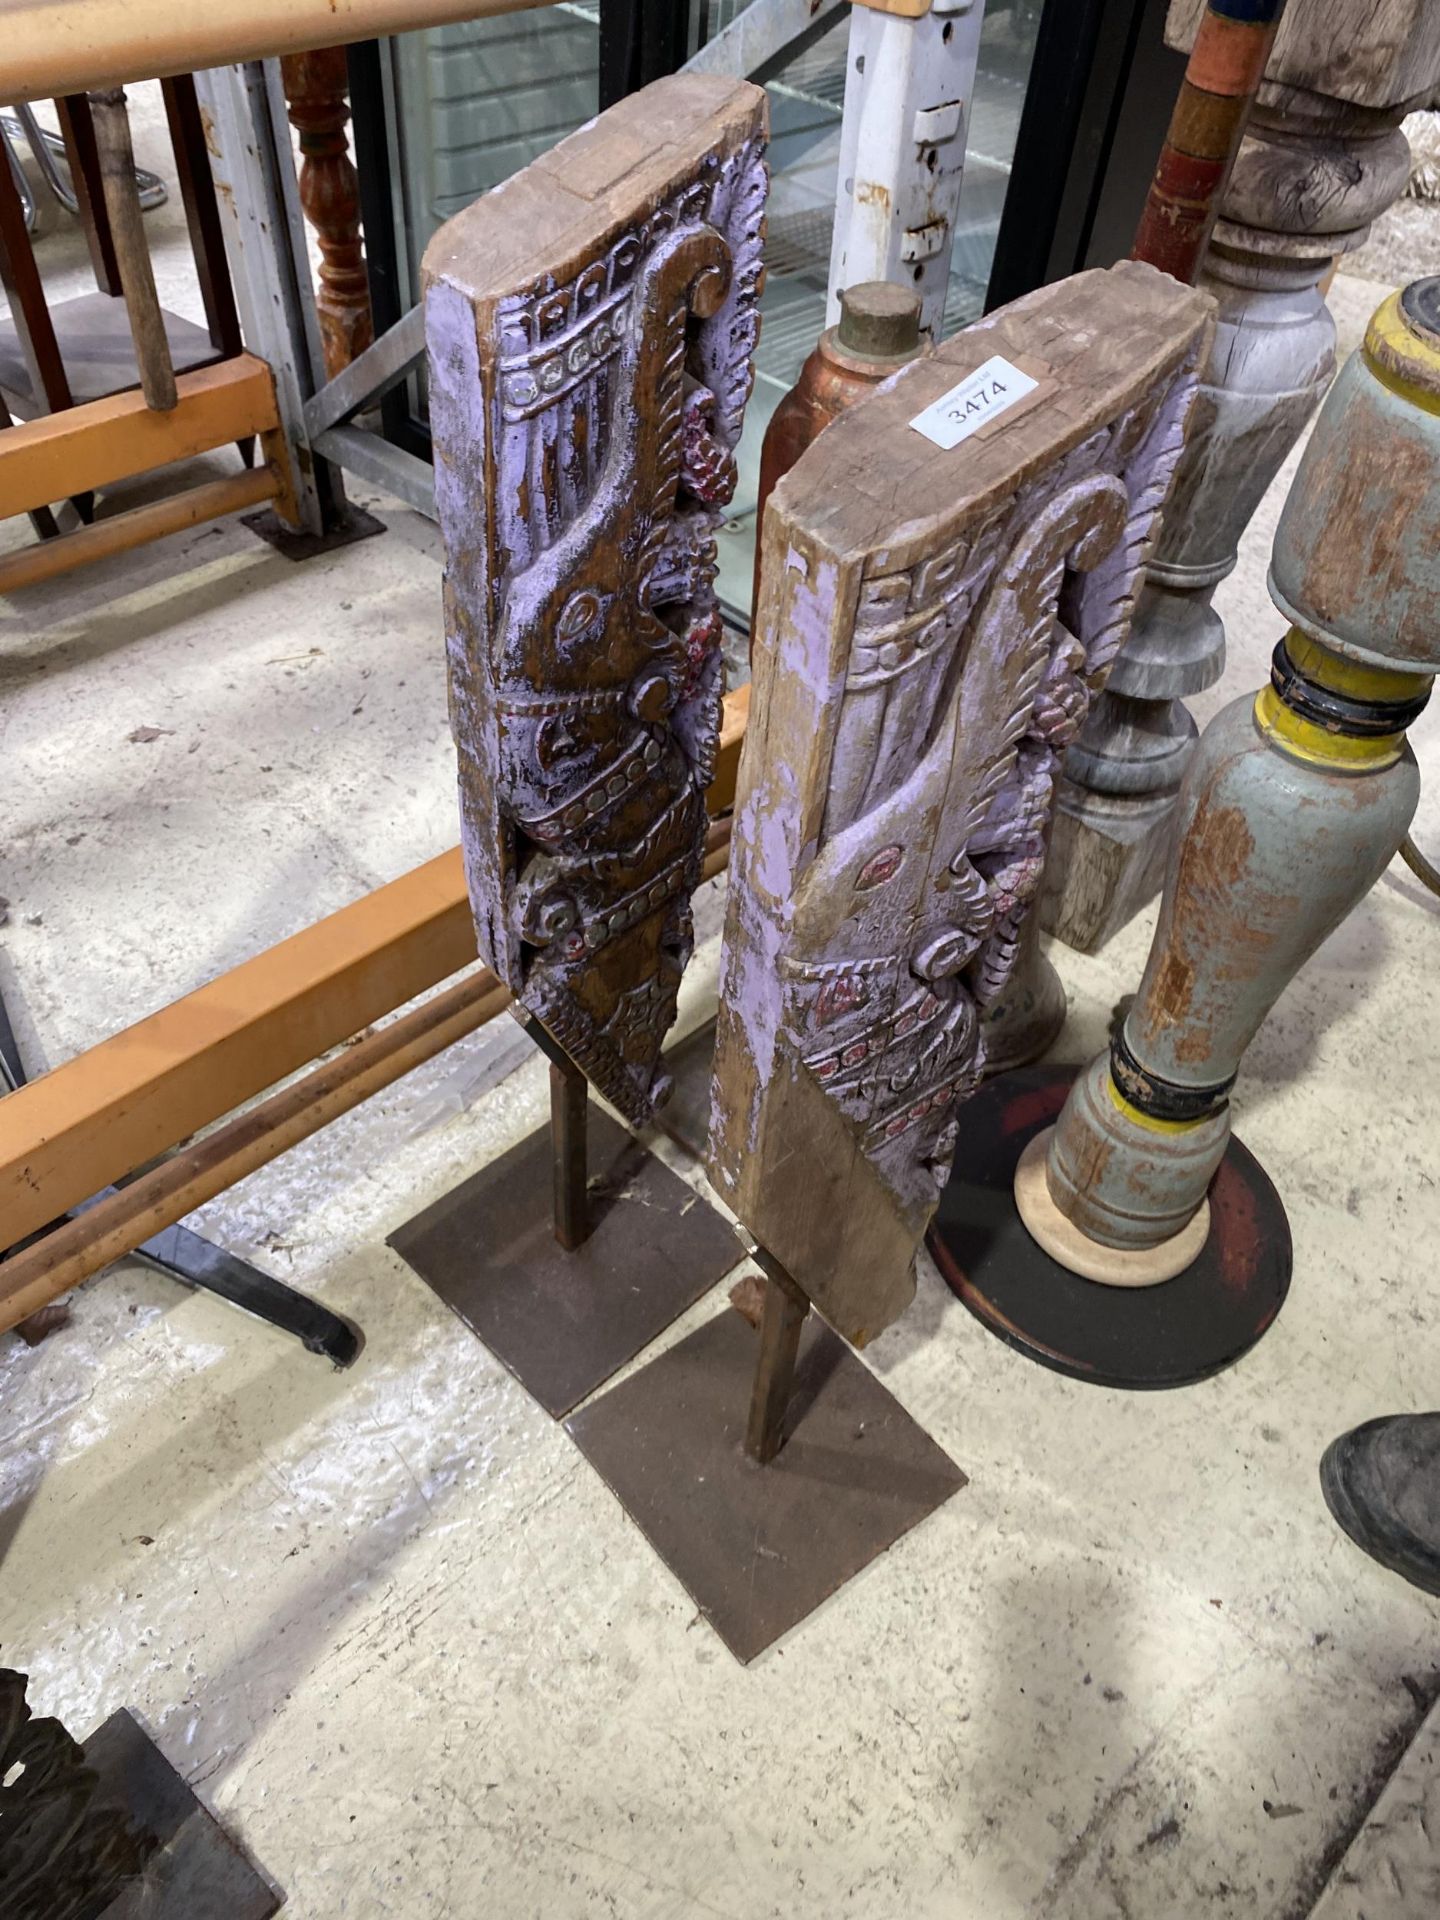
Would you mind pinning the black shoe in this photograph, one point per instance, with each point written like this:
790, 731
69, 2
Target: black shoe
1382, 1483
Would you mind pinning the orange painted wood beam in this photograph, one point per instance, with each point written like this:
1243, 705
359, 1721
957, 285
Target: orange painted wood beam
61, 454
93, 1120
112, 1108
58, 47
120, 532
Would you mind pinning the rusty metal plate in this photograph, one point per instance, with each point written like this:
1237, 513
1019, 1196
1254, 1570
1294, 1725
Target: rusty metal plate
353, 525
759, 1548
199, 1872
564, 1322
1140, 1337
685, 1116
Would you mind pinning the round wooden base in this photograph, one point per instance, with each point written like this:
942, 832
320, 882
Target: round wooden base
1111, 1266
1139, 1337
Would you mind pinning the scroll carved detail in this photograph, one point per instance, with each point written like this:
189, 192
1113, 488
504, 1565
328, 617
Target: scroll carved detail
584, 632
944, 694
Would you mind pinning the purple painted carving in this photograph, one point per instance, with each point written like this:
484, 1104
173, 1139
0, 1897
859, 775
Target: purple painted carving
585, 422
890, 844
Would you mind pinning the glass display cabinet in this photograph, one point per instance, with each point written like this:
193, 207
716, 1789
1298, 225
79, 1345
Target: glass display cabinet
1069, 107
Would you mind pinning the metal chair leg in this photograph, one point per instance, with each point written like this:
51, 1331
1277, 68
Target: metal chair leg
22, 184
54, 163
185, 1256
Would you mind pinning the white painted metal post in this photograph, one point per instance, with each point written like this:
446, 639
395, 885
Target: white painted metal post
909, 84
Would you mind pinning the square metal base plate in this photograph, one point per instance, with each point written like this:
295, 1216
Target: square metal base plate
198, 1872
564, 1322
759, 1548
295, 544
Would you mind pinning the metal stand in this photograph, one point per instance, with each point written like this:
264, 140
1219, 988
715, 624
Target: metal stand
1169, 1335
572, 1252
184, 1256
780, 1324
348, 524
569, 1112
763, 1514
109, 1830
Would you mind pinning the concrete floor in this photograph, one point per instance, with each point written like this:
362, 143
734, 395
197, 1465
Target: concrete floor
390, 1624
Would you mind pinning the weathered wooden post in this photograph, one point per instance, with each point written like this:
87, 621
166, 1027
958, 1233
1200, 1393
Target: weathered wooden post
132, 252
947, 572
591, 328
1296, 801
1322, 156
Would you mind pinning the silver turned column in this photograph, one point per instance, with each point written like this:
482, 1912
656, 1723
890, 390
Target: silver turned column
1322, 157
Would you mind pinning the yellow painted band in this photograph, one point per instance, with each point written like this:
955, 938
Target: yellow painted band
1401, 359
1350, 677
1321, 748
1148, 1120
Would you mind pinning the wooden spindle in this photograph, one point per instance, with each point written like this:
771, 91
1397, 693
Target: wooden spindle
1321, 156
315, 93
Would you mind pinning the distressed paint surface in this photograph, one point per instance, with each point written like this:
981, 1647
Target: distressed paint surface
588, 390
1296, 801
923, 659
1322, 156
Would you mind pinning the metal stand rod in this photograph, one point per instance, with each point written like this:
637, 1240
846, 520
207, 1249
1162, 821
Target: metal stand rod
184, 1256
569, 1108
53, 160
780, 1324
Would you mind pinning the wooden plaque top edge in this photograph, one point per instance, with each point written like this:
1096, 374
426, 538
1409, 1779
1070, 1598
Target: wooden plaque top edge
585, 190
1104, 336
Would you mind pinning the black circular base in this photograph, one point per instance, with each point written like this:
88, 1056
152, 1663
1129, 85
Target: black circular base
1169, 1335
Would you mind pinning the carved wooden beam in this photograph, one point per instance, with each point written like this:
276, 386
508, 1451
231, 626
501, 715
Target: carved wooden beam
1295, 803
316, 85
591, 328
1322, 156
938, 603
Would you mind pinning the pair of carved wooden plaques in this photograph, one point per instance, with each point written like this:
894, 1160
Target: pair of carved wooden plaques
946, 576
591, 327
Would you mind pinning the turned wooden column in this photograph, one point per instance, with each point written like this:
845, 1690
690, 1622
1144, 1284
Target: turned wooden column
316, 84
1294, 804
1322, 156
1226, 65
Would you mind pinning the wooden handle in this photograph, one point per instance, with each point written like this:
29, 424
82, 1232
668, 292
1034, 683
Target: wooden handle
132, 253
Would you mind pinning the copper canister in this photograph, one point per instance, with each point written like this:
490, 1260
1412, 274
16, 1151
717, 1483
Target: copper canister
879, 332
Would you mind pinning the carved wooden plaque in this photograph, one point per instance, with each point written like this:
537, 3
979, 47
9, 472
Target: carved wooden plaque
933, 622
591, 327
